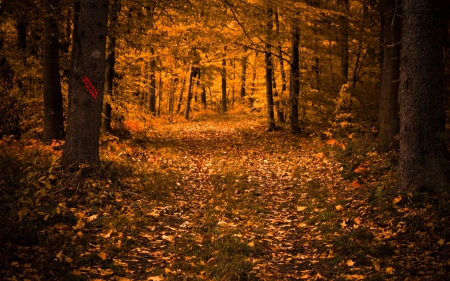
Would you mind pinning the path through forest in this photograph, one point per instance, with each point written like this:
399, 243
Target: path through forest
218, 199
283, 196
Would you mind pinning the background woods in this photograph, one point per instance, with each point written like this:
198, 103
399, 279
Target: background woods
224, 139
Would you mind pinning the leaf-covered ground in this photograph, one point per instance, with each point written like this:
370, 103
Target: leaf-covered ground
217, 199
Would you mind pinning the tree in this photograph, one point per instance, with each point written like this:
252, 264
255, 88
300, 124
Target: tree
53, 103
344, 27
423, 161
269, 73
86, 84
110, 62
189, 92
223, 74
390, 75
295, 78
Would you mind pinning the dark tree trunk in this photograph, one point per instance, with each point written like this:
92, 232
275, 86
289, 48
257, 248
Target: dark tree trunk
110, 62
86, 84
203, 96
344, 27
181, 93
423, 163
269, 72
21, 28
243, 75
223, 73
388, 110
295, 80
189, 92
160, 94
151, 101
53, 111
269, 90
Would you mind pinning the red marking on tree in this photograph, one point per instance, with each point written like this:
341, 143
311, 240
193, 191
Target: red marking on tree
88, 85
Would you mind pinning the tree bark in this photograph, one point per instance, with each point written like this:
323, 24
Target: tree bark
86, 84
344, 27
203, 96
53, 110
423, 163
243, 74
183, 83
295, 79
110, 62
269, 73
388, 108
189, 93
223, 74
151, 102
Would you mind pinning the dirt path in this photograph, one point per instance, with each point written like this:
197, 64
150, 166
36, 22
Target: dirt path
277, 171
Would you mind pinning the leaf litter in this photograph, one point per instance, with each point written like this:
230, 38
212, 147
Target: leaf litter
217, 201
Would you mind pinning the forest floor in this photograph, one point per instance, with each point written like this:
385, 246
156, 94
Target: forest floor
217, 198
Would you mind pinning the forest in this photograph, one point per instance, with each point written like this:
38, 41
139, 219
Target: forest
224, 140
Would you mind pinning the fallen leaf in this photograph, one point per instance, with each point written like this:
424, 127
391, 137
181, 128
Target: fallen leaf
356, 184
397, 199
301, 208
102, 255
390, 270
350, 263
155, 278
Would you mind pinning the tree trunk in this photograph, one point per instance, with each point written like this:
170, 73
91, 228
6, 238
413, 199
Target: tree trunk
269, 73
21, 29
86, 84
423, 163
203, 96
390, 75
344, 27
160, 93
109, 70
223, 73
181, 92
151, 101
295, 80
53, 111
243, 73
189, 93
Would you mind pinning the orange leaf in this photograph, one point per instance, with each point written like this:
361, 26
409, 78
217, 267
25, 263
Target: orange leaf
356, 184
397, 199
102, 255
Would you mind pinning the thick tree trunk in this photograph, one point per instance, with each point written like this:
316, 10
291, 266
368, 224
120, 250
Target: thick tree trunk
388, 108
86, 84
423, 164
53, 111
110, 62
223, 73
295, 80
